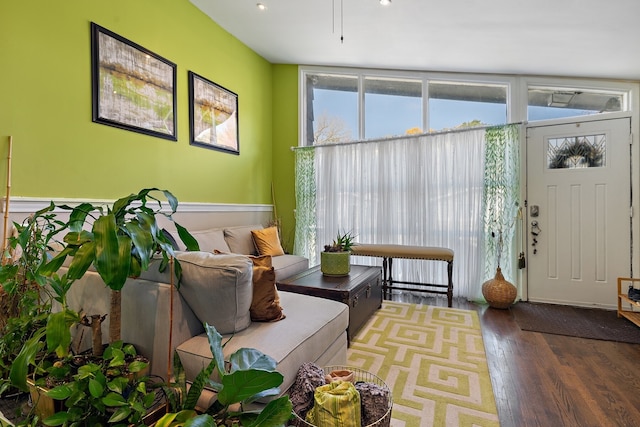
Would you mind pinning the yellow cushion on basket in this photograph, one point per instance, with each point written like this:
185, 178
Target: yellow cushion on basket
267, 241
335, 404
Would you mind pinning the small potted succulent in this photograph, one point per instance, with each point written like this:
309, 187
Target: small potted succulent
335, 260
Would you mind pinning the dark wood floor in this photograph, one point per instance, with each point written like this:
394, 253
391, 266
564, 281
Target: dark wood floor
551, 380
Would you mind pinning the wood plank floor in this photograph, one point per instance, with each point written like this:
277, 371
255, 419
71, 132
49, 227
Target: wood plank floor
551, 380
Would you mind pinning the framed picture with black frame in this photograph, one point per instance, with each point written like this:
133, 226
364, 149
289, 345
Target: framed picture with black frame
133, 88
213, 115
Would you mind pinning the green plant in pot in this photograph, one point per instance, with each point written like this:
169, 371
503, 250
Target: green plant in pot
25, 298
120, 242
335, 260
248, 375
103, 390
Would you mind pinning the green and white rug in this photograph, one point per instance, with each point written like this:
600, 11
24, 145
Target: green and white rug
434, 362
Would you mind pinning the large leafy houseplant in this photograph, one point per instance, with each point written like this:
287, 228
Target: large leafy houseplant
24, 297
248, 376
120, 242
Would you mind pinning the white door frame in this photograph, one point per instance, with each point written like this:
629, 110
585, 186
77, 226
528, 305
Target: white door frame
635, 156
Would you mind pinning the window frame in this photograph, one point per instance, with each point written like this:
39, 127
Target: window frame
517, 91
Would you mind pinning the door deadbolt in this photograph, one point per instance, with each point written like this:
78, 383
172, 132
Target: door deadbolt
534, 211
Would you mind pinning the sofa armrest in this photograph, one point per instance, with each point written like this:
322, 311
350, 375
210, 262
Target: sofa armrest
146, 316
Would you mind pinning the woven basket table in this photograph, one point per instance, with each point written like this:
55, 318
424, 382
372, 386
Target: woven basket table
359, 375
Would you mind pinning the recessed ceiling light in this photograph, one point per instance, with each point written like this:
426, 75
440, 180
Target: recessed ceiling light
261, 6
385, 2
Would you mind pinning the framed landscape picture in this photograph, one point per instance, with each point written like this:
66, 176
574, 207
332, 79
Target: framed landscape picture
133, 88
213, 115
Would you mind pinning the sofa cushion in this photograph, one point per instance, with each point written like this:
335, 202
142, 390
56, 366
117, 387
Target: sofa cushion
312, 325
218, 288
288, 265
239, 239
267, 241
208, 240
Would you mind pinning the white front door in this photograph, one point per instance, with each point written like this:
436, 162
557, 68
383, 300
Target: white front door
578, 211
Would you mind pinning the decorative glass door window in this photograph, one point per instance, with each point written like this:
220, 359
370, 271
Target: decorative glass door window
586, 151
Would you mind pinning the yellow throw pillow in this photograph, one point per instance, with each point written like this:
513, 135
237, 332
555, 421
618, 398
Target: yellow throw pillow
267, 241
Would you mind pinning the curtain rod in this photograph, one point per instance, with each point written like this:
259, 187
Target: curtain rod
393, 138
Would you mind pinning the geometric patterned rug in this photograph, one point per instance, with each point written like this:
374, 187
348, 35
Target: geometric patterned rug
434, 362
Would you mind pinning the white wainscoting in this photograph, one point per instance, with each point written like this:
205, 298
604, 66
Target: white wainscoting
192, 215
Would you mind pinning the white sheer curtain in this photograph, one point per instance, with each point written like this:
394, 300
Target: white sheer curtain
425, 190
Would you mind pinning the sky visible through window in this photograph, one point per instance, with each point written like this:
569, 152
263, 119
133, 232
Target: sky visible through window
392, 116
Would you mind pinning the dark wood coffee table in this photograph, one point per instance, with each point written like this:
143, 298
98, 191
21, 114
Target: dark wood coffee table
361, 290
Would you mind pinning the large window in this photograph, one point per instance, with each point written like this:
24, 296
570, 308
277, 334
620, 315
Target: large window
344, 105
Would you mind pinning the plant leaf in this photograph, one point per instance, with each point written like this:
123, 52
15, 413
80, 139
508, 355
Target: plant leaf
276, 413
27, 355
58, 333
82, 260
241, 385
142, 239
120, 414
108, 259
95, 388
56, 262
189, 241
197, 385
250, 358
114, 399
78, 216
215, 345
201, 421
137, 366
60, 392
57, 419
176, 419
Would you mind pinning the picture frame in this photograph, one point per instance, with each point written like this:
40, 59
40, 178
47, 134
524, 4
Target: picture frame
213, 115
132, 87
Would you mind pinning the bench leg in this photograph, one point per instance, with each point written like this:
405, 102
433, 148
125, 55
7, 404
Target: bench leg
450, 283
384, 278
390, 281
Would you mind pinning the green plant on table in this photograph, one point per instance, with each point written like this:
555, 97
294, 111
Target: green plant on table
248, 376
342, 243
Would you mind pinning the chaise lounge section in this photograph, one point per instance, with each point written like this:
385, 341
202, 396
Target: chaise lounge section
159, 319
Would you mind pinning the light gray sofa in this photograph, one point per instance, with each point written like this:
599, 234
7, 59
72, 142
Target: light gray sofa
212, 288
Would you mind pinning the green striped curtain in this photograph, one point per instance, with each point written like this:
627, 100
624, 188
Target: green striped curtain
305, 214
500, 201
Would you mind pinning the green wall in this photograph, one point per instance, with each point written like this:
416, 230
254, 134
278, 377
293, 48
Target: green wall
45, 93
285, 136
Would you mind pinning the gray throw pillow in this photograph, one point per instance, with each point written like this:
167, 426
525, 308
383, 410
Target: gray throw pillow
218, 288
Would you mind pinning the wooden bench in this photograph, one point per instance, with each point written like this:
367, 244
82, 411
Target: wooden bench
389, 252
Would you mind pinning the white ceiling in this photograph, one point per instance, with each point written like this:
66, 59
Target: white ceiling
578, 38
